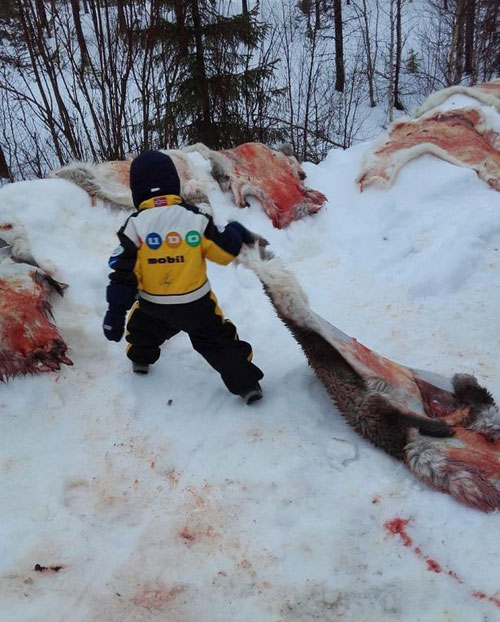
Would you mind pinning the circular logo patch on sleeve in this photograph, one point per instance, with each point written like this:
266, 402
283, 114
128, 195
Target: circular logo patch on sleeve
153, 240
193, 238
173, 239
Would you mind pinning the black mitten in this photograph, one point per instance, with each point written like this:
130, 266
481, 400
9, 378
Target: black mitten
247, 236
114, 323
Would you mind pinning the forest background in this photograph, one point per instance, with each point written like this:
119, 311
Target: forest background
105, 79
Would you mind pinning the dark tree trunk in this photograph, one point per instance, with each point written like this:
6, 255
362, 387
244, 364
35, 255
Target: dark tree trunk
458, 40
180, 21
122, 22
244, 6
42, 15
4, 169
339, 46
75, 9
397, 65
205, 126
470, 27
317, 15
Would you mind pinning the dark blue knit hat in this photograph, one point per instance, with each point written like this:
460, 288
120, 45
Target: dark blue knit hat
153, 174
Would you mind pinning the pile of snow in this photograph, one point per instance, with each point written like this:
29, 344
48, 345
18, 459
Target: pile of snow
166, 498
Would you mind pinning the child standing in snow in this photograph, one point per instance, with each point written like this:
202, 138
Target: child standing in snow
159, 270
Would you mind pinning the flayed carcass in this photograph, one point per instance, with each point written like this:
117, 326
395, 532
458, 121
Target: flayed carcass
446, 431
29, 340
274, 177
461, 136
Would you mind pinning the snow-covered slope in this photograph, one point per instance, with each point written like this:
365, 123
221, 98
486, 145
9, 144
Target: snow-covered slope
166, 498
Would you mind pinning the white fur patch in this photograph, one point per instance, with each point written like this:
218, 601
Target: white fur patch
436, 99
284, 289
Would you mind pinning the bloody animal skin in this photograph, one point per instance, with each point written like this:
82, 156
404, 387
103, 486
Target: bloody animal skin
458, 136
446, 431
29, 341
275, 179
252, 169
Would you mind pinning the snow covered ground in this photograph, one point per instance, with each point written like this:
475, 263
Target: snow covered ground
165, 498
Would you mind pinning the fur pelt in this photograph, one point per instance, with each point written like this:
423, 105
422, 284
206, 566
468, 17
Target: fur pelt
109, 181
273, 176
461, 137
487, 93
446, 432
29, 340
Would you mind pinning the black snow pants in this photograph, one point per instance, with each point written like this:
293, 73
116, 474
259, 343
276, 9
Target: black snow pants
215, 338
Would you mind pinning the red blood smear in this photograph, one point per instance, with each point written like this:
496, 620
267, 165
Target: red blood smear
433, 565
397, 526
454, 131
29, 329
443, 130
267, 170
378, 365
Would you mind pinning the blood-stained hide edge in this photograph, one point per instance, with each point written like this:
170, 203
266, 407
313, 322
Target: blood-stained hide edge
29, 340
447, 431
459, 136
269, 175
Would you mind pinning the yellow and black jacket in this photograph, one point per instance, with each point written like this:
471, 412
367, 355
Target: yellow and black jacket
162, 253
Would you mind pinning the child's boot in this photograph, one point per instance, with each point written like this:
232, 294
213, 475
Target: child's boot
252, 395
140, 368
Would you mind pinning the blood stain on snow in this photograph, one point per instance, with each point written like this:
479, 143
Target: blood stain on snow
397, 527
173, 476
190, 535
433, 565
186, 535
154, 598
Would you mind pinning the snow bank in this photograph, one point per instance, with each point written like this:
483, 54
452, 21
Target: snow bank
165, 497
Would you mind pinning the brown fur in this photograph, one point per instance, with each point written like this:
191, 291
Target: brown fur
368, 412
402, 411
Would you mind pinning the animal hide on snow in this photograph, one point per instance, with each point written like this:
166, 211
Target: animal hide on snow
459, 136
110, 181
487, 93
446, 431
29, 341
272, 176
